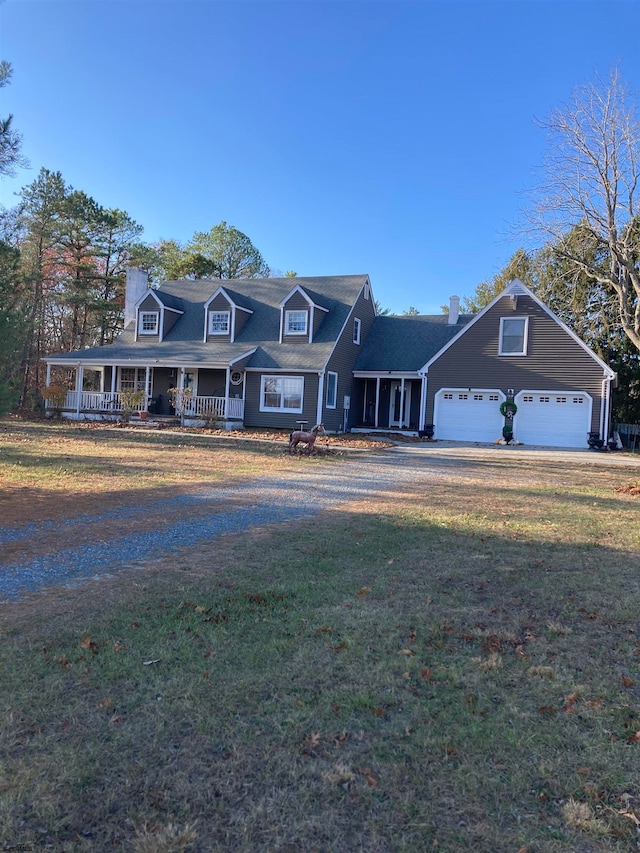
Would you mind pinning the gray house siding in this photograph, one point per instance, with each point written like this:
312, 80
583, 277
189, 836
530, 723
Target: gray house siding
318, 317
150, 303
554, 360
241, 319
253, 417
170, 319
342, 362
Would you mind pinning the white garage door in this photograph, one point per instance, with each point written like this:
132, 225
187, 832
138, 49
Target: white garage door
468, 415
552, 420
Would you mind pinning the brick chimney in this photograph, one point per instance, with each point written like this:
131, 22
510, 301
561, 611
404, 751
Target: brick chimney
137, 285
454, 310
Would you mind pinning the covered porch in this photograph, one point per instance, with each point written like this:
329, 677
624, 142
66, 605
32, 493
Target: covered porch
390, 400
110, 392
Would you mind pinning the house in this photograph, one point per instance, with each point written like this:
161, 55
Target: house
269, 352
456, 374
282, 351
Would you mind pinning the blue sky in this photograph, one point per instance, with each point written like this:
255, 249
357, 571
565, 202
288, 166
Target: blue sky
393, 138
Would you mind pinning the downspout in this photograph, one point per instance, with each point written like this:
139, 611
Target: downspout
321, 395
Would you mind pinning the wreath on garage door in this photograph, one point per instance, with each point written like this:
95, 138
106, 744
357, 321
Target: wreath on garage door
508, 409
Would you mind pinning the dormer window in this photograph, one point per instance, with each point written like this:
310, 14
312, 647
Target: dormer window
296, 322
219, 322
148, 322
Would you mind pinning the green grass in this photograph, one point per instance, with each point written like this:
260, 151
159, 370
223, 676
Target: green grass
458, 671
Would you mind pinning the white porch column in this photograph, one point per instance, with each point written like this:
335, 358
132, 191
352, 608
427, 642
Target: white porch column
146, 388
114, 371
423, 401
377, 401
48, 380
227, 383
320, 397
401, 402
79, 384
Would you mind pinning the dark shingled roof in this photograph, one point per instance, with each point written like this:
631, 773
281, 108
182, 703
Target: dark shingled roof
406, 343
184, 343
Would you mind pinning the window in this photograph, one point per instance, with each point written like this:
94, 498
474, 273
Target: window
148, 322
218, 322
513, 335
281, 393
356, 330
295, 322
133, 378
332, 389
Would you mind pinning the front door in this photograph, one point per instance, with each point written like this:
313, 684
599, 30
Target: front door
396, 416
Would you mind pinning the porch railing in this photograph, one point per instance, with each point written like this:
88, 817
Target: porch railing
93, 401
206, 408
211, 407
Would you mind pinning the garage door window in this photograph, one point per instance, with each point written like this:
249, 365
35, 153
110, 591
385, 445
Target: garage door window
513, 335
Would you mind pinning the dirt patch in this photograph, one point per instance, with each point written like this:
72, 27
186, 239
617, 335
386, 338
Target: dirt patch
632, 489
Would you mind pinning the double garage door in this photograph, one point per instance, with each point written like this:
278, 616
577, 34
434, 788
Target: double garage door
543, 418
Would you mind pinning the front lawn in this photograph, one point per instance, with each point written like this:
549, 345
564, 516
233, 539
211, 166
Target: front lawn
452, 669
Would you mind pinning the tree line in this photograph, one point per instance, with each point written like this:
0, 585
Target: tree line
63, 256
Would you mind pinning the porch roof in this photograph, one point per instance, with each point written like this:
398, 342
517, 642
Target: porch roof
405, 344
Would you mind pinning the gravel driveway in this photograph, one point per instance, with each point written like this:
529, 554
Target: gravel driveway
39, 555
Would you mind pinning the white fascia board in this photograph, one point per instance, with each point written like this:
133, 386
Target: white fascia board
175, 310
387, 374
296, 289
519, 289
221, 290
240, 357
149, 292
299, 289
290, 371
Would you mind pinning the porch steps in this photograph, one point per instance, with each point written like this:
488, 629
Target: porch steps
156, 422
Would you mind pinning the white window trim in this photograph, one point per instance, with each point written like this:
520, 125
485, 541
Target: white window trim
335, 390
281, 408
141, 316
287, 316
525, 337
213, 314
357, 330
